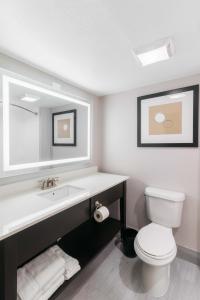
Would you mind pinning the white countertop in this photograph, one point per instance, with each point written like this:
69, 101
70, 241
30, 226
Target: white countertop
19, 210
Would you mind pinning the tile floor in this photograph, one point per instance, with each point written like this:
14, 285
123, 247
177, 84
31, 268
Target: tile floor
112, 276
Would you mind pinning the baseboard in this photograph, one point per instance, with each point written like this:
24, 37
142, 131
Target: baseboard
189, 255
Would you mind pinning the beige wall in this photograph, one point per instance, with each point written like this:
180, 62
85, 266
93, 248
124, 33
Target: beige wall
170, 168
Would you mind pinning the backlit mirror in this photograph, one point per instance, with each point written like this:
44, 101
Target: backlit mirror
42, 127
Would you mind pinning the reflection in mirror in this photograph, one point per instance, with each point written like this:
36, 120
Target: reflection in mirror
44, 127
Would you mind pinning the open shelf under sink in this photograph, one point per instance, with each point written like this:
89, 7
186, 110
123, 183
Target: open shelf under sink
85, 242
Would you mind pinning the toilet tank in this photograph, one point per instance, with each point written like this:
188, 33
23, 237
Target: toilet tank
164, 207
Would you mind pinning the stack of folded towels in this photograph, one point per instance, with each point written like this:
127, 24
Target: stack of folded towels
42, 276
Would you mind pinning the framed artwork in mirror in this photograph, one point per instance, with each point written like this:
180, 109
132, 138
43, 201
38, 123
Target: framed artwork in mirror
64, 128
168, 119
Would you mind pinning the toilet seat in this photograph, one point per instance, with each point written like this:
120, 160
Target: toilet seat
154, 256
155, 244
156, 240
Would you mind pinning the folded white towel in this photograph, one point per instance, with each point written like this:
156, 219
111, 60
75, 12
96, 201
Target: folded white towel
71, 264
53, 281
51, 290
40, 278
38, 273
70, 272
56, 249
25, 284
26, 292
44, 267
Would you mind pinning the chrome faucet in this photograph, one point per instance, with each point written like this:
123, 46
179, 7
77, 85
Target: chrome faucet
48, 183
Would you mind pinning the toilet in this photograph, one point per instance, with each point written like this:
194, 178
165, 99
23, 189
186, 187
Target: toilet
155, 244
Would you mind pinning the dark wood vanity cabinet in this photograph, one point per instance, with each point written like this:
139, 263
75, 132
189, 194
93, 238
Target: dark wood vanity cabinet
35, 239
73, 229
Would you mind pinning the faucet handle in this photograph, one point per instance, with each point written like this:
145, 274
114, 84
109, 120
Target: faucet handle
48, 182
42, 183
55, 180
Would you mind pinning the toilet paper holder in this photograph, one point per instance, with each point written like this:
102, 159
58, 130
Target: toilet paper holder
100, 212
98, 204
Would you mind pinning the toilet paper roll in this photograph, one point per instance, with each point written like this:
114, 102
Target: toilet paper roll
101, 214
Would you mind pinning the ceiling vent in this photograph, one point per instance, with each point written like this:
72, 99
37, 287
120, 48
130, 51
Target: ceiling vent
159, 51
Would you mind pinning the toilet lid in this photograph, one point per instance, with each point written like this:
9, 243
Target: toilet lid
156, 240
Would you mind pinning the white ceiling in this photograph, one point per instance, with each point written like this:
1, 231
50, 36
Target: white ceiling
89, 42
18, 92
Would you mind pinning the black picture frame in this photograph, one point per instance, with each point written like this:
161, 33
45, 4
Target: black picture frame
74, 112
195, 89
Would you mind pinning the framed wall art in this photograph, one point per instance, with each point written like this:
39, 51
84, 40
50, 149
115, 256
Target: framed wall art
64, 128
168, 119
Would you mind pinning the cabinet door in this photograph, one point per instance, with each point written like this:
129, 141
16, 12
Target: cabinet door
36, 238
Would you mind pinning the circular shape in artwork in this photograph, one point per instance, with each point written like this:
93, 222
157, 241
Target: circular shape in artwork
159, 118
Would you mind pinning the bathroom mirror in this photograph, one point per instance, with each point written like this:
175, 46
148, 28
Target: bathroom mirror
41, 126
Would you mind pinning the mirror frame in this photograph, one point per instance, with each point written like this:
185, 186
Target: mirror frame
6, 80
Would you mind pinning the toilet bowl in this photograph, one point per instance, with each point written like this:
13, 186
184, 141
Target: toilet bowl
155, 244
156, 247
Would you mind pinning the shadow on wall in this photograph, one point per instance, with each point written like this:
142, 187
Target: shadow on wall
136, 206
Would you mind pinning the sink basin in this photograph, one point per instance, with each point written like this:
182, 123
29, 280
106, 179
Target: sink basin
63, 192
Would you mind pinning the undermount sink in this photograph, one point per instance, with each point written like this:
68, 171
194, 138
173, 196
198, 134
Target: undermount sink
63, 192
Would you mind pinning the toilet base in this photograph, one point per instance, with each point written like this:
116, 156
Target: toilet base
155, 279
